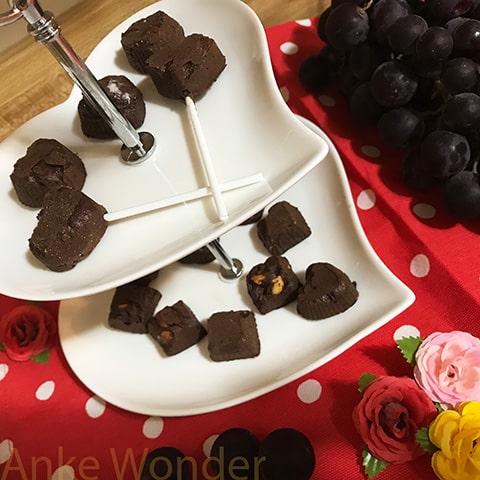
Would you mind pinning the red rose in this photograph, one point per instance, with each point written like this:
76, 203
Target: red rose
26, 331
389, 415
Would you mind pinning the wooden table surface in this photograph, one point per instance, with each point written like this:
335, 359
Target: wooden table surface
32, 81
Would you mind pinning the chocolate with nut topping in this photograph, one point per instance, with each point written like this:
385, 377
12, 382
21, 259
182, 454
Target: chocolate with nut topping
176, 328
272, 284
132, 307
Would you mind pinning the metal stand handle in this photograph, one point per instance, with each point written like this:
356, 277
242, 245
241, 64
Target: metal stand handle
231, 268
42, 26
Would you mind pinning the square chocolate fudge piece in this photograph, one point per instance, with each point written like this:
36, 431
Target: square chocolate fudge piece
233, 335
132, 307
272, 284
176, 328
282, 228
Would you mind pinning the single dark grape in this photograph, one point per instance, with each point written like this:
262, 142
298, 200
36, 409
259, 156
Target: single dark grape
413, 176
459, 75
454, 23
434, 45
346, 26
234, 454
461, 195
383, 14
315, 72
365, 58
444, 153
335, 3
288, 455
462, 113
400, 127
363, 107
403, 34
322, 20
393, 84
347, 81
466, 38
167, 463
440, 11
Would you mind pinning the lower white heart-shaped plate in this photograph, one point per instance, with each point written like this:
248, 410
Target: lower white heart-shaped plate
130, 371
248, 128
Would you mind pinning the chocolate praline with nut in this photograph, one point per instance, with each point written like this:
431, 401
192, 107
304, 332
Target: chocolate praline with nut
272, 284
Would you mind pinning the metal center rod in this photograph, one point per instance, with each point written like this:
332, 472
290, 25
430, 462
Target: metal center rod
231, 268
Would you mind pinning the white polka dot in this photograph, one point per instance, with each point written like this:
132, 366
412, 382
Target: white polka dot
420, 266
153, 427
406, 331
3, 371
289, 48
305, 22
65, 472
285, 92
370, 151
95, 407
45, 390
327, 100
208, 444
309, 391
6, 449
424, 210
366, 199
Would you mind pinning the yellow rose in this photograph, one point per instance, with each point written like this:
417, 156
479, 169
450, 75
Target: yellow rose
457, 435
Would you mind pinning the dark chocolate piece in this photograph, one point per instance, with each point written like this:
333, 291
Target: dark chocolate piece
167, 463
235, 452
282, 228
254, 218
233, 335
201, 256
287, 454
124, 95
272, 284
188, 70
46, 166
148, 35
69, 227
176, 328
132, 307
327, 291
145, 280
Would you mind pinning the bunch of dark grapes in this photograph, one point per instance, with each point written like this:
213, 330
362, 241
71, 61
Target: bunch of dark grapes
412, 69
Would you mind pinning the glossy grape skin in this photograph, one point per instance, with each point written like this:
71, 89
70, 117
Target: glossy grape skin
400, 127
365, 58
441, 11
347, 25
403, 34
363, 106
383, 14
393, 84
462, 113
322, 20
459, 75
444, 153
461, 195
434, 45
466, 38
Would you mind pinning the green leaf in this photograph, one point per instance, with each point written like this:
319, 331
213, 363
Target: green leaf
439, 407
2, 348
373, 466
42, 358
423, 440
365, 380
409, 346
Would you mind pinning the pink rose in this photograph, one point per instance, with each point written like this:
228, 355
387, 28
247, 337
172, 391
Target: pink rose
27, 330
390, 413
448, 367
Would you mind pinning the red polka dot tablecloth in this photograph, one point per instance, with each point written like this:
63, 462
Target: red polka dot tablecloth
52, 427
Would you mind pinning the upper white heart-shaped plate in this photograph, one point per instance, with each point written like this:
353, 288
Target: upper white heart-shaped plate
248, 127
